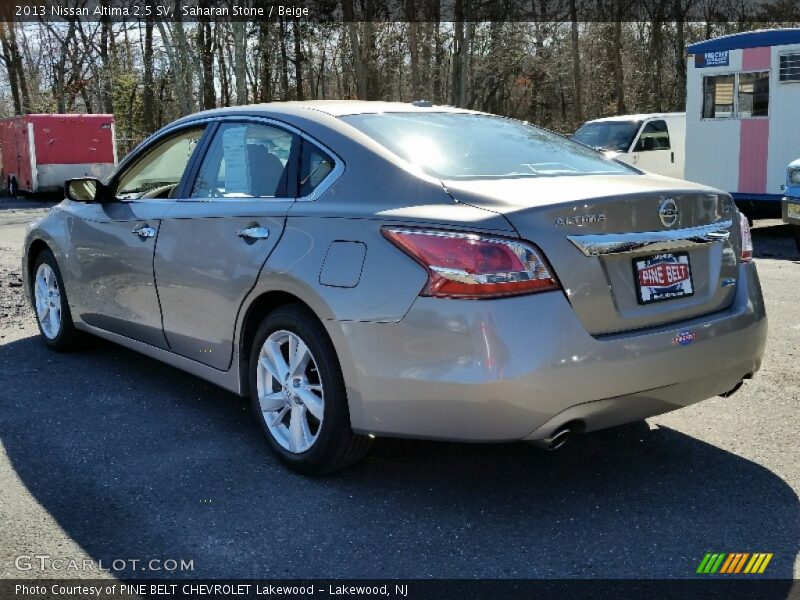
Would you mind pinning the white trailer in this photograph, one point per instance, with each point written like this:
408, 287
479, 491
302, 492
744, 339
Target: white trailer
743, 115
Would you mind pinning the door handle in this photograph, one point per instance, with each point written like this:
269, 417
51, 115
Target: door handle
672, 157
144, 231
253, 233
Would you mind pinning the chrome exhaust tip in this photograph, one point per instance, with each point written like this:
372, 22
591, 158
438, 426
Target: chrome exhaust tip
555, 441
559, 438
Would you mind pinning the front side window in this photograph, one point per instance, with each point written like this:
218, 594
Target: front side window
616, 136
246, 160
469, 146
754, 94
158, 173
654, 136
718, 96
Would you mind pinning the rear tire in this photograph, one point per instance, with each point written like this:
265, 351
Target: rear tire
49, 299
298, 394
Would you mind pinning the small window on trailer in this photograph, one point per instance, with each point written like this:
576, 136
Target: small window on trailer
789, 67
737, 95
753, 100
718, 96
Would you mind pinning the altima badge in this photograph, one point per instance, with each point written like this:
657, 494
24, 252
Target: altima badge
581, 220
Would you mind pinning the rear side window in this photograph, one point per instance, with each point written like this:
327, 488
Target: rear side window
315, 166
654, 136
473, 146
246, 160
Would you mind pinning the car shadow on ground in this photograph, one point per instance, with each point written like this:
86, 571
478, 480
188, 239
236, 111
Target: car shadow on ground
134, 459
774, 241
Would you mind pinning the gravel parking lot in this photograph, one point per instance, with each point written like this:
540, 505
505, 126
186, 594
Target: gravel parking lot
105, 454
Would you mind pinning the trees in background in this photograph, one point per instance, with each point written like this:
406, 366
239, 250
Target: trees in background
556, 71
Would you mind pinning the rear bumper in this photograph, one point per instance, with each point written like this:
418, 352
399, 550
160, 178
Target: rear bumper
517, 368
785, 210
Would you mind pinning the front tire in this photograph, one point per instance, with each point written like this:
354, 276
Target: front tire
50, 304
298, 394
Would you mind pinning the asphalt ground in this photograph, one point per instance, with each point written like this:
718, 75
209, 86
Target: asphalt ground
107, 455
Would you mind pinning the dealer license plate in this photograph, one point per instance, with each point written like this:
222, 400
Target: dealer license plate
662, 277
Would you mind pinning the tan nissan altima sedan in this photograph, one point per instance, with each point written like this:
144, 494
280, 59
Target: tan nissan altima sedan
370, 269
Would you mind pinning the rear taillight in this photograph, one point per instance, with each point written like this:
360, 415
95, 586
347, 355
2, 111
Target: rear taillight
466, 265
747, 240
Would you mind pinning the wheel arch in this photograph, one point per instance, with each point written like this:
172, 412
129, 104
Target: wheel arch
35, 248
256, 311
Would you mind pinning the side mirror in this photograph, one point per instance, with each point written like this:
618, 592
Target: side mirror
85, 189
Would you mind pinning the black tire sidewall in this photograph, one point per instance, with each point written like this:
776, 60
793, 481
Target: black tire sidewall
336, 420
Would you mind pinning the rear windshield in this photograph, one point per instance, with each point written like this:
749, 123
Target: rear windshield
608, 135
469, 146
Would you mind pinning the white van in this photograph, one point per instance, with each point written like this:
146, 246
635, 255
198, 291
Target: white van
654, 142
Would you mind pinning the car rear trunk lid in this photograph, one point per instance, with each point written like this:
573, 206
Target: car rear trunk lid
631, 251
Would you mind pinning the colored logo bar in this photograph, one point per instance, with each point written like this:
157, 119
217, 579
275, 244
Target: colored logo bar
734, 562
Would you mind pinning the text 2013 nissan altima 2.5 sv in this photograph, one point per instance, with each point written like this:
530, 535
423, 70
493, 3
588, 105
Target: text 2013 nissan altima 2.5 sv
368, 269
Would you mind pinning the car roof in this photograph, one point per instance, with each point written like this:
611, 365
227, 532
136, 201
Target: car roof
638, 117
320, 109
338, 108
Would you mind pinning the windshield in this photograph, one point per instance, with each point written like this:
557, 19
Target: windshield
470, 146
608, 135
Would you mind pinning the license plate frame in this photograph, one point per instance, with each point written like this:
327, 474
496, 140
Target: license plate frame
662, 289
793, 210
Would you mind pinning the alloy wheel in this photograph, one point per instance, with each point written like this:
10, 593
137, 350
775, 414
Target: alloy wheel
48, 301
290, 391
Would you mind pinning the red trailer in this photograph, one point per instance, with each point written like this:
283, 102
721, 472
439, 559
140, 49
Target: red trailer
39, 152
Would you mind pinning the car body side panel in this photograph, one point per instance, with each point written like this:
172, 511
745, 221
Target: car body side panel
110, 268
204, 270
